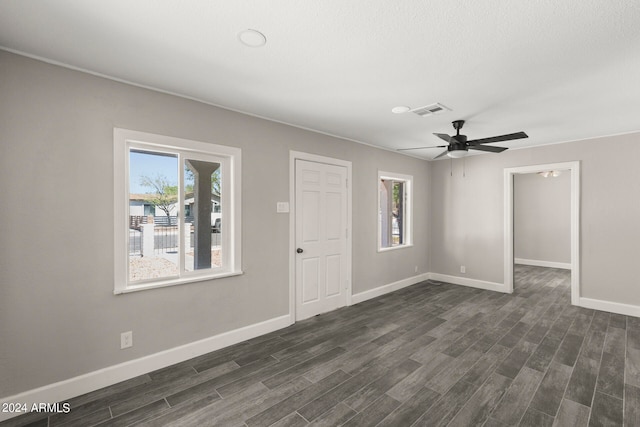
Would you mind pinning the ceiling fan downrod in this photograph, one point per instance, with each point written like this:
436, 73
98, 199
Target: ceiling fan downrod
457, 125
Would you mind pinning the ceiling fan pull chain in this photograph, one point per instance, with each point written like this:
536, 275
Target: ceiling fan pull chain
464, 167
451, 166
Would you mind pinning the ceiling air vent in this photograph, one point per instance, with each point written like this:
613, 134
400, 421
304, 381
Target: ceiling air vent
430, 109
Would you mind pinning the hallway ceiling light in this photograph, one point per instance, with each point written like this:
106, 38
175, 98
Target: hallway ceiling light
547, 174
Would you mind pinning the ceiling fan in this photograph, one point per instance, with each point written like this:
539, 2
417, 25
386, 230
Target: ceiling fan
459, 146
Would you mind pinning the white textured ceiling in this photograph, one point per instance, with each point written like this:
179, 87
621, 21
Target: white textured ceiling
559, 70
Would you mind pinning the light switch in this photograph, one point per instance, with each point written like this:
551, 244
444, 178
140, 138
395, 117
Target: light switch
282, 207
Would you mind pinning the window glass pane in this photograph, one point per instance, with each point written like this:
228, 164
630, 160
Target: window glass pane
385, 214
204, 224
216, 218
394, 215
397, 213
153, 225
177, 217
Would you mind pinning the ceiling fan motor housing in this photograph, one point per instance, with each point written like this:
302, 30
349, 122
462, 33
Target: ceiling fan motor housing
458, 143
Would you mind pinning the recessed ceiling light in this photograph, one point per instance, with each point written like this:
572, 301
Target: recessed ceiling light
400, 109
252, 38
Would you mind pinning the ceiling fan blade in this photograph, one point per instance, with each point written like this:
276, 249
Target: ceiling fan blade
420, 148
509, 137
489, 148
443, 136
441, 154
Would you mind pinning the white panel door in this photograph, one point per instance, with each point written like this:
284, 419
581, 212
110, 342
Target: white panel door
321, 238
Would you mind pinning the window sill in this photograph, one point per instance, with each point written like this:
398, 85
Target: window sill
175, 281
393, 248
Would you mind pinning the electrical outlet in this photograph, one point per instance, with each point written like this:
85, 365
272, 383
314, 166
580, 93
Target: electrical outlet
463, 269
126, 340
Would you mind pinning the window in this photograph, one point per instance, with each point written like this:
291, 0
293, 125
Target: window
189, 229
394, 210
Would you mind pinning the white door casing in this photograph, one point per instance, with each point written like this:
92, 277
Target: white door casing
574, 170
321, 234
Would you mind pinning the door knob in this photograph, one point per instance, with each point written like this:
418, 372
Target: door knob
299, 250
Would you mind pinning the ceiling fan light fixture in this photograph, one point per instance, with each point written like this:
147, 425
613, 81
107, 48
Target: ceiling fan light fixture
456, 154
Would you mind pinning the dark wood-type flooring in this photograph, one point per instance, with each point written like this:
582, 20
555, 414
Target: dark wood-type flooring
432, 354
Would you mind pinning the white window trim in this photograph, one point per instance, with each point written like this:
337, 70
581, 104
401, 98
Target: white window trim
408, 209
125, 139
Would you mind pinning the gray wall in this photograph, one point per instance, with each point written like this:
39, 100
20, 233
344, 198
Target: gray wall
58, 315
467, 213
542, 217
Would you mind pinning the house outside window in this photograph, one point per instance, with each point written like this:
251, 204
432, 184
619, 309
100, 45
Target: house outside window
394, 210
155, 175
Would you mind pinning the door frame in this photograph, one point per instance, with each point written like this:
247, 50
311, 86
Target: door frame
574, 170
299, 155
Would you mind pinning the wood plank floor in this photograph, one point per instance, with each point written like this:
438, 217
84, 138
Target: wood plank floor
432, 354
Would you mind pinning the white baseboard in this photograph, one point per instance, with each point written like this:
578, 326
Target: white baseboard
96, 380
612, 307
385, 289
538, 263
456, 280
465, 281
